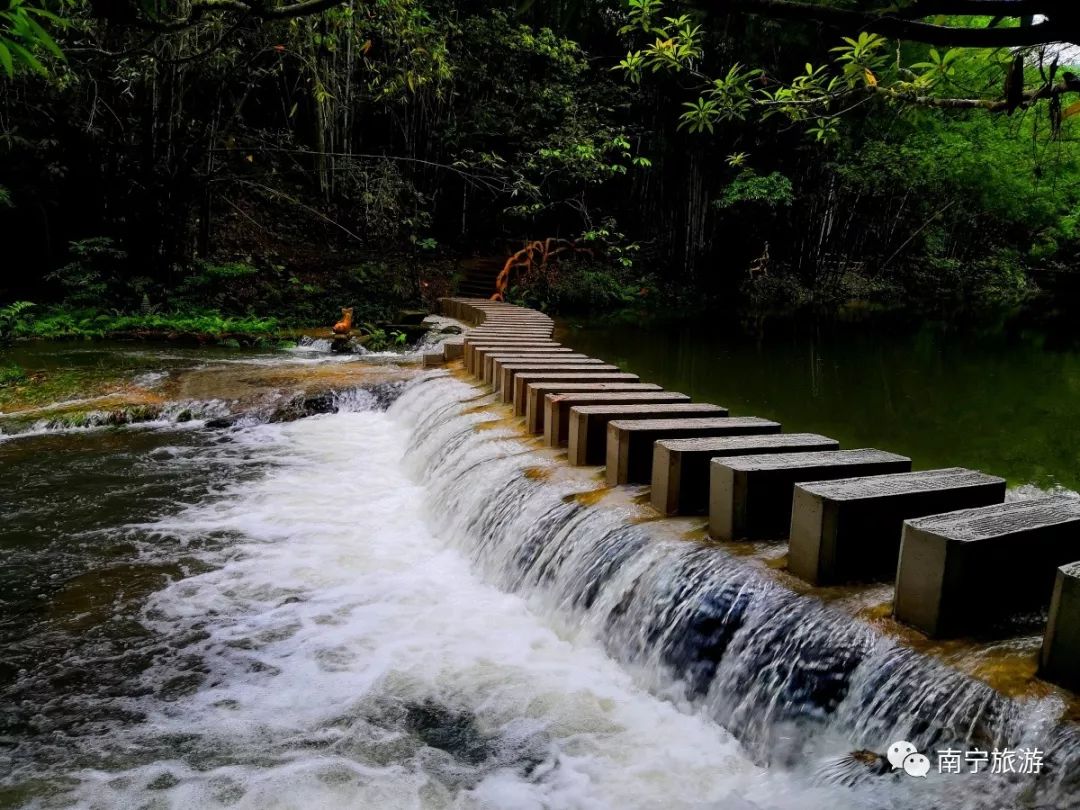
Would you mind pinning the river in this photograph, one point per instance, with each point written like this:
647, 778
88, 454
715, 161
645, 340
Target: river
308, 580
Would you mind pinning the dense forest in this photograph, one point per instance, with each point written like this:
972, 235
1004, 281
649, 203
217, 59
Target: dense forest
228, 160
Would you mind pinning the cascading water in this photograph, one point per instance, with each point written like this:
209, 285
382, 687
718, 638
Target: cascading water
383, 605
795, 681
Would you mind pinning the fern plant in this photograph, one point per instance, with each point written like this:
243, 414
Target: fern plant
11, 317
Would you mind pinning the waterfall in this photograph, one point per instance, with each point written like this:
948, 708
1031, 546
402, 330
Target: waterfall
795, 680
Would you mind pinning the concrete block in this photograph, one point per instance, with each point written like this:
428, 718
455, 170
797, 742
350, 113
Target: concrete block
1060, 658
630, 442
587, 436
508, 371
680, 470
480, 354
534, 408
962, 572
557, 408
472, 347
849, 530
537, 393
493, 361
750, 496
521, 395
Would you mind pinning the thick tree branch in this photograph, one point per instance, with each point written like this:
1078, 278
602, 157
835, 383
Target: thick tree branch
1060, 25
1070, 84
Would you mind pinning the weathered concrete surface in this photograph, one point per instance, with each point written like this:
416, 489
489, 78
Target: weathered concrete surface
630, 441
1060, 658
849, 530
680, 470
557, 408
750, 496
491, 313
472, 348
523, 331
483, 359
587, 436
519, 394
496, 377
508, 371
496, 335
498, 339
493, 363
534, 410
961, 572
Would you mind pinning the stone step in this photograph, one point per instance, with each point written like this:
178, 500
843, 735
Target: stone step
536, 393
849, 530
557, 408
509, 333
493, 361
478, 353
1059, 660
961, 572
750, 496
508, 371
680, 470
630, 442
587, 436
522, 381
471, 347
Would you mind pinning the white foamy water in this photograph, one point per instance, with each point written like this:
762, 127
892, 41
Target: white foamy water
350, 657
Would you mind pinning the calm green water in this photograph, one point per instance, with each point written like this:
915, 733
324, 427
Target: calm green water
1006, 401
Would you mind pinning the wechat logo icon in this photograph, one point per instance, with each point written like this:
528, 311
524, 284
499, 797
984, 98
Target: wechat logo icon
904, 755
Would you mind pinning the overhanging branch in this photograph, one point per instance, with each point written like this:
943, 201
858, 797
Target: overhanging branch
908, 23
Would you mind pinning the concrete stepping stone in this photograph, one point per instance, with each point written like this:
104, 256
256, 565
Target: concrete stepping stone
587, 436
494, 363
529, 344
557, 408
482, 361
750, 496
630, 442
534, 413
961, 572
680, 470
1059, 660
849, 530
509, 371
520, 394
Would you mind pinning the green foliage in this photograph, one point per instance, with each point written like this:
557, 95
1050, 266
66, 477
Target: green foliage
12, 375
229, 270
95, 276
378, 339
13, 317
584, 287
94, 324
23, 38
772, 190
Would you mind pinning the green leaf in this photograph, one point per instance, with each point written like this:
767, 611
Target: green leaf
41, 36
28, 58
5, 60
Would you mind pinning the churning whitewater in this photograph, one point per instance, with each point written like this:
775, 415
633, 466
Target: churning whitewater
396, 606
350, 657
